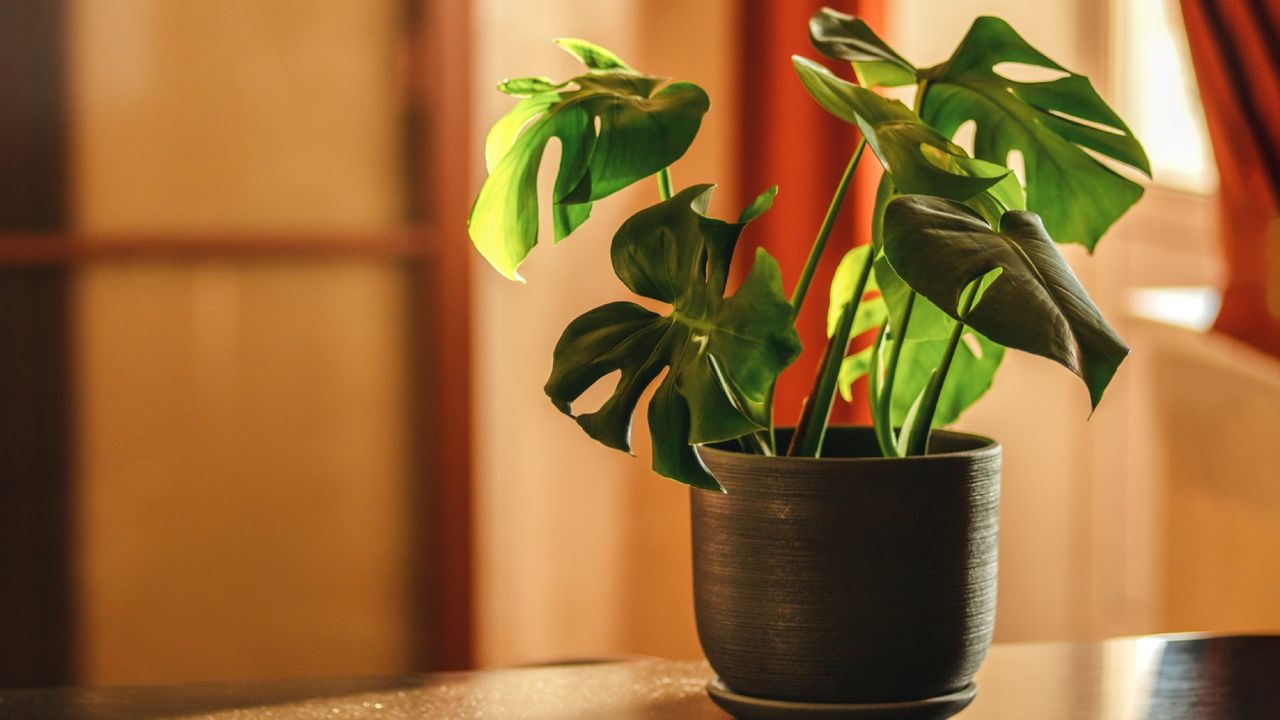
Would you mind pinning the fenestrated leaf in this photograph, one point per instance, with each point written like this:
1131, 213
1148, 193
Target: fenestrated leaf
504, 132
939, 247
916, 156
721, 355
845, 37
1049, 122
641, 130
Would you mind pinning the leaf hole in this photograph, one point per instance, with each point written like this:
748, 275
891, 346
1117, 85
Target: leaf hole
971, 342
965, 134
1017, 163
1114, 165
595, 396
1103, 127
1028, 73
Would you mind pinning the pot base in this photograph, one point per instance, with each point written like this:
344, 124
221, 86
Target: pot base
744, 707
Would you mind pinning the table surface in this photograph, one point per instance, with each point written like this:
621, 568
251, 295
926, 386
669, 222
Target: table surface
1146, 678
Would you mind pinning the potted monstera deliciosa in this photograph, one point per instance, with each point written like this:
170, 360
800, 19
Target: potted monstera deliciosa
837, 570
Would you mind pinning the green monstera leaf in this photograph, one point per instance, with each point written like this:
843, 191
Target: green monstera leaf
721, 354
1051, 123
614, 125
916, 156
845, 37
919, 160
1036, 304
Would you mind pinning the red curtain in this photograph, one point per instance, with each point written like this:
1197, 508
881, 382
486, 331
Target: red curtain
1235, 46
786, 139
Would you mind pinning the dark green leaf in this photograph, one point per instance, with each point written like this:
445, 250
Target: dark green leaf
918, 159
614, 127
939, 247
721, 355
1049, 122
845, 37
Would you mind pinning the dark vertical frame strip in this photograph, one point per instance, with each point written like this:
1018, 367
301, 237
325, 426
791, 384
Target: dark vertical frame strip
438, 123
36, 528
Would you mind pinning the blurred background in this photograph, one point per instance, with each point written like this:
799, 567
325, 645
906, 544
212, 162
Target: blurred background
264, 413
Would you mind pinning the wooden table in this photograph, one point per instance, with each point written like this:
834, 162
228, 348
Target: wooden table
1148, 678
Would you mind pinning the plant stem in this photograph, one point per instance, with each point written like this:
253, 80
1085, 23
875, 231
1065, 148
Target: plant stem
814, 417
757, 444
880, 424
918, 439
664, 183
883, 403
918, 103
824, 232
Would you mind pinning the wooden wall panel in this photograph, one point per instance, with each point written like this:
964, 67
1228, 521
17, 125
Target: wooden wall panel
238, 115
248, 497
244, 471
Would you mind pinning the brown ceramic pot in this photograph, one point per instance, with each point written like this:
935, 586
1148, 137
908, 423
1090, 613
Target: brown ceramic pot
851, 578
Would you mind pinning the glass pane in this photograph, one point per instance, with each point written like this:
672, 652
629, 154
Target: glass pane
243, 443
236, 115
1158, 85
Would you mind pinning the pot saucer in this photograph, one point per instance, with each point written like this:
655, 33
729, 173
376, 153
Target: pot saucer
744, 707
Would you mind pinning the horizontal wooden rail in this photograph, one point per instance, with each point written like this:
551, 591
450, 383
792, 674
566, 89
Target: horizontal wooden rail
18, 249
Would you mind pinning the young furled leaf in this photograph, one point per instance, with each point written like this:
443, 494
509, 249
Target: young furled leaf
1037, 305
1048, 122
721, 354
614, 126
845, 37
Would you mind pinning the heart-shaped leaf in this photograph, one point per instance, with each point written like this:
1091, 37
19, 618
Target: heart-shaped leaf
939, 247
845, 37
1048, 122
917, 157
614, 127
722, 355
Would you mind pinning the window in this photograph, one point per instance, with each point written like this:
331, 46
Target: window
1157, 84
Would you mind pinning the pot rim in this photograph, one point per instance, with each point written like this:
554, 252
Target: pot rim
985, 447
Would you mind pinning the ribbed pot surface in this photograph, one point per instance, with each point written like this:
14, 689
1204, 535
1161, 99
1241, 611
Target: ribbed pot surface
852, 578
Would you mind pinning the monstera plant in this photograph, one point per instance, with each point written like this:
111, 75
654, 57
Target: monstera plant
963, 263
